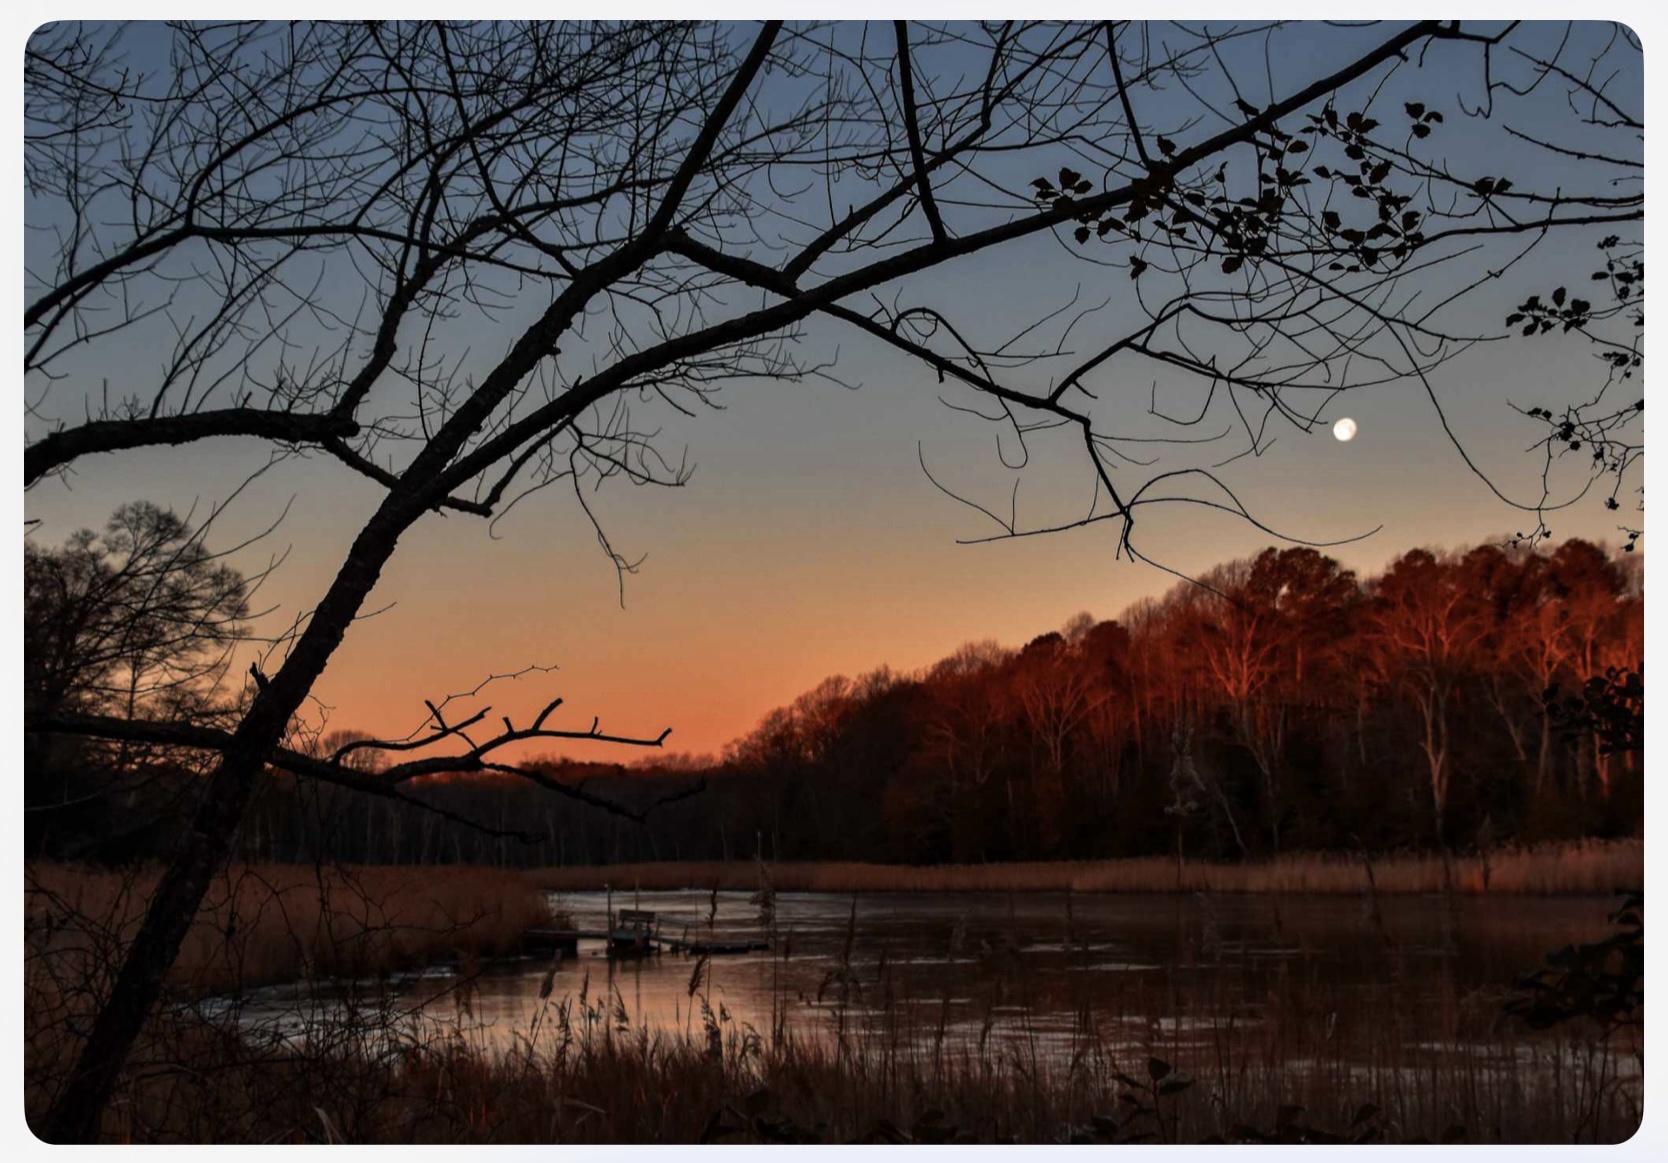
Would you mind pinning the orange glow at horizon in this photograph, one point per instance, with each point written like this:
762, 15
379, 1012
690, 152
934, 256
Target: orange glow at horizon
808, 544
743, 604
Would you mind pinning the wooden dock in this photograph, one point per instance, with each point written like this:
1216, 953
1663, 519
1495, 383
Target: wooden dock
633, 932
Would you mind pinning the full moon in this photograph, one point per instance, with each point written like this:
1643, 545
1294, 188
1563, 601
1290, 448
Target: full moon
1344, 429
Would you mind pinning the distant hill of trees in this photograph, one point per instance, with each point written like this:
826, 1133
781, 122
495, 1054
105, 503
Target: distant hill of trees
1283, 704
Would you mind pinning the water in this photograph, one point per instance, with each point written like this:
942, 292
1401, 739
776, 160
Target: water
1183, 975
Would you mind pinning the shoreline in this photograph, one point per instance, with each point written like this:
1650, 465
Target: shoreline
1580, 868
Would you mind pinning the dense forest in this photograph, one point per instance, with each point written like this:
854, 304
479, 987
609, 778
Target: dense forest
1276, 703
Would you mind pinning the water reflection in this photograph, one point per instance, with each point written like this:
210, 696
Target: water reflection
1394, 982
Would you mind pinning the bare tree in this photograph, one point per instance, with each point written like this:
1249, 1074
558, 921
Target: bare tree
138, 617
1057, 694
1430, 620
317, 218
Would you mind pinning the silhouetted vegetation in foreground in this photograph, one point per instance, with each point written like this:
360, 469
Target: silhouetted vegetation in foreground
587, 1074
1560, 1061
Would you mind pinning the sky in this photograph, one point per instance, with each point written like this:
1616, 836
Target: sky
809, 542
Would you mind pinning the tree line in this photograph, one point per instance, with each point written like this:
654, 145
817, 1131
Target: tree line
1276, 703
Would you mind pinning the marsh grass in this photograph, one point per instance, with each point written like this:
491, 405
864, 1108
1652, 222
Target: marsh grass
1311, 1060
584, 1072
280, 922
1581, 867
307, 926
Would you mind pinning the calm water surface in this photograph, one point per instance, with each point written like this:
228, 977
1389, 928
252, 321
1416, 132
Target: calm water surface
1043, 971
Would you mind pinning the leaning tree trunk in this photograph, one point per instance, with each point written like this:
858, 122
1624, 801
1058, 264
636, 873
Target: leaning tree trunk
79, 1110
76, 1115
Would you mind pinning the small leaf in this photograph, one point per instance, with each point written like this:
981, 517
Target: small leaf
1166, 146
1415, 109
1081, 234
1231, 264
1421, 131
1157, 1068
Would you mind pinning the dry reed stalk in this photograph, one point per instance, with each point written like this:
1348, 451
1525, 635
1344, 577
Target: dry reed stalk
1588, 867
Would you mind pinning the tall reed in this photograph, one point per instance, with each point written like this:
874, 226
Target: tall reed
587, 1073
